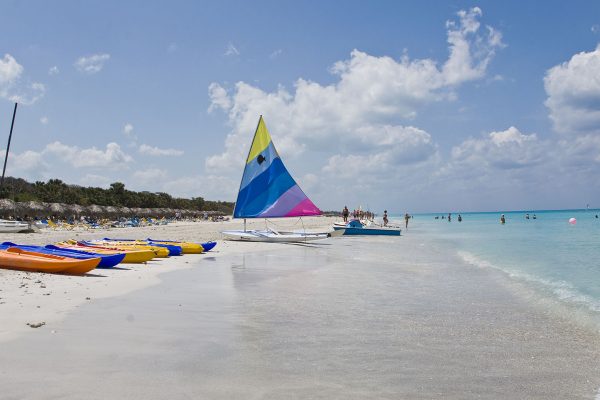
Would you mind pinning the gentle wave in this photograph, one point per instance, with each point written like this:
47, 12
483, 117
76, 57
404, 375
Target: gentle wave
564, 291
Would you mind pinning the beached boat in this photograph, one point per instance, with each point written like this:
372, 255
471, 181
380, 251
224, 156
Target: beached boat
160, 252
356, 227
188, 247
106, 260
23, 260
132, 256
267, 190
8, 226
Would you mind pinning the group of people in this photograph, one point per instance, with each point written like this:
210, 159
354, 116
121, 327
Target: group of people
359, 214
450, 217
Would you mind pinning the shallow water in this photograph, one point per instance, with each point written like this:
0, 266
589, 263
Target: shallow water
353, 318
549, 254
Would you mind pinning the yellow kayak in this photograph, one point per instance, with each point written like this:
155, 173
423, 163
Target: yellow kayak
131, 256
158, 251
186, 247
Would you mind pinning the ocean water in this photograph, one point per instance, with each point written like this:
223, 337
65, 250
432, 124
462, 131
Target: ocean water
549, 254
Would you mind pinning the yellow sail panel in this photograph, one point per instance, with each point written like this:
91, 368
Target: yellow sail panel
261, 140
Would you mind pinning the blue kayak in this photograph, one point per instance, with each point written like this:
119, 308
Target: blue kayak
106, 260
208, 246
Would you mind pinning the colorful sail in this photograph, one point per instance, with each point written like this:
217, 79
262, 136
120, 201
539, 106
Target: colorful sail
267, 189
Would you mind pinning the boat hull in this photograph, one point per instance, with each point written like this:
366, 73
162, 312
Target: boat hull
368, 231
272, 237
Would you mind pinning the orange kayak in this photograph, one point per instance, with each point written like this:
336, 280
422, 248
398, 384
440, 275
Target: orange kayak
22, 260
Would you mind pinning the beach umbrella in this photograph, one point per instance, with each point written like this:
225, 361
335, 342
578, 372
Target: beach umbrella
76, 209
7, 207
125, 211
34, 208
94, 209
58, 209
111, 210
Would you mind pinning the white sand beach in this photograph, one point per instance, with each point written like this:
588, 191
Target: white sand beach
348, 318
35, 298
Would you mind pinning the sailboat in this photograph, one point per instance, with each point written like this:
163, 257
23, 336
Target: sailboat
267, 190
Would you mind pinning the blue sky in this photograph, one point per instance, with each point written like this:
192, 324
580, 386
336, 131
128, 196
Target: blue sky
409, 106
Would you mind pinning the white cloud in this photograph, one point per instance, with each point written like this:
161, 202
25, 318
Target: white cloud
53, 70
91, 64
112, 158
10, 70
469, 58
11, 87
371, 95
156, 151
231, 50
573, 89
508, 149
128, 131
44, 120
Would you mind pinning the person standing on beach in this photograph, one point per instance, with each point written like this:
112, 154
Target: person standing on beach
459, 218
502, 219
406, 218
345, 213
449, 217
385, 218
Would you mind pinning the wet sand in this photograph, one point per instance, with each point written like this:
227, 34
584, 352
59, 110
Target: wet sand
350, 318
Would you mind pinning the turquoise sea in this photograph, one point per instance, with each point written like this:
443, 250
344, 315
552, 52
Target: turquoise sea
548, 253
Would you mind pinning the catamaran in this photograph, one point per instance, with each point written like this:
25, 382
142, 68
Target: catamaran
267, 190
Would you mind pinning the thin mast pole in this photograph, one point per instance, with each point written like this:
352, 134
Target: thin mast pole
12, 124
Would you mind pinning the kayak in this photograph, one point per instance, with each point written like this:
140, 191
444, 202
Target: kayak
106, 260
158, 251
23, 260
208, 246
187, 247
131, 256
174, 250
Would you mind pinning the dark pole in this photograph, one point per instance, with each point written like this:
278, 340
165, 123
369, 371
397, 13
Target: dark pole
8, 146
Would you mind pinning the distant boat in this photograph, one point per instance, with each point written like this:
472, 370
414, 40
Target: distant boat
356, 227
268, 190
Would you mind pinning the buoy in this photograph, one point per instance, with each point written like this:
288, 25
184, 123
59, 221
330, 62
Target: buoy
572, 221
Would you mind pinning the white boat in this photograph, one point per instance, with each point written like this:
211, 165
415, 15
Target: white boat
267, 190
273, 236
8, 226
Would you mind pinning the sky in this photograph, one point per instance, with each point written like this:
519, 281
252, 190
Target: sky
411, 106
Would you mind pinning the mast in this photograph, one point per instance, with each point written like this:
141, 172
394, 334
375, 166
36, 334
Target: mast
12, 124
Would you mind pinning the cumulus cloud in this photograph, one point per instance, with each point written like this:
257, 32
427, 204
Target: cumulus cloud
371, 95
10, 70
44, 120
157, 151
508, 149
112, 157
91, 64
12, 88
53, 70
573, 90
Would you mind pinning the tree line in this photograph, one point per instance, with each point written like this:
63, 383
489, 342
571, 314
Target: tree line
56, 191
